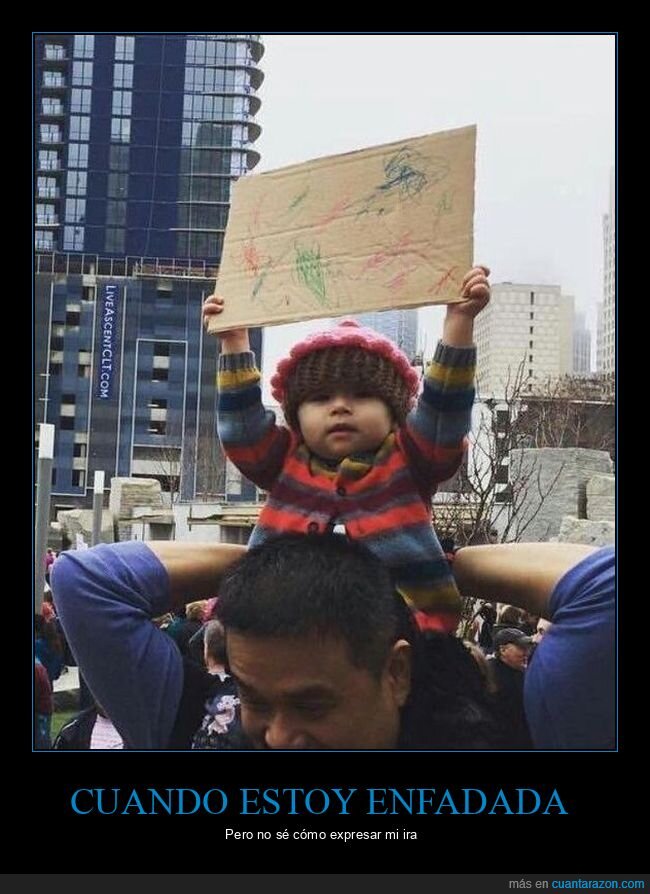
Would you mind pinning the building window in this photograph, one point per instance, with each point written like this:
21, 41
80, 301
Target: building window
116, 214
80, 101
118, 184
114, 239
55, 369
75, 210
530, 373
78, 155
532, 297
530, 358
46, 188
123, 76
122, 102
157, 427
530, 344
83, 371
53, 477
161, 349
77, 183
78, 478
53, 79
73, 238
82, 74
530, 330
73, 318
118, 158
124, 48
79, 127
50, 133
158, 403
120, 130
84, 46
48, 160
56, 343
54, 51
51, 106
79, 450
159, 374
45, 214
88, 293
66, 423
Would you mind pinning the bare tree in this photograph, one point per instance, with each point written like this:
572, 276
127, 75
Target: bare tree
485, 500
572, 412
210, 469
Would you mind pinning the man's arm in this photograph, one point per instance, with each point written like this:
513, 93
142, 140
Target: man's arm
106, 598
194, 569
522, 574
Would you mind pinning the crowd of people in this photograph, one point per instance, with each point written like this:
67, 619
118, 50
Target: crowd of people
311, 639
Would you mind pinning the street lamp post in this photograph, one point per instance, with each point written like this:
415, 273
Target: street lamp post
98, 505
43, 487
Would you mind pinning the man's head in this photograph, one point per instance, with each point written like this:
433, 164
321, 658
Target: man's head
512, 647
314, 634
214, 646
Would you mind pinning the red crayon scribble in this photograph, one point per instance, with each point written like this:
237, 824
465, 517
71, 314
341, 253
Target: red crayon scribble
381, 257
252, 258
335, 211
443, 279
397, 281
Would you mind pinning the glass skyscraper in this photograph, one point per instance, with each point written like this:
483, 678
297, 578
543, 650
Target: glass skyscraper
138, 138
401, 326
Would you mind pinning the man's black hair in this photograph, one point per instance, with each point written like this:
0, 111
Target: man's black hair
297, 585
328, 585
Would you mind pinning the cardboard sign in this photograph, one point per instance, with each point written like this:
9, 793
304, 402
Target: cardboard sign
386, 227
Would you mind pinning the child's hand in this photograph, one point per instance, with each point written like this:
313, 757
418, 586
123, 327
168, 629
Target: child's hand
475, 289
234, 340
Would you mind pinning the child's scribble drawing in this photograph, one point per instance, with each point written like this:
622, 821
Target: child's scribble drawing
387, 226
310, 271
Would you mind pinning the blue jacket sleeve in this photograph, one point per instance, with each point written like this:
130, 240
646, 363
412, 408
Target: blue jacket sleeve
570, 685
105, 598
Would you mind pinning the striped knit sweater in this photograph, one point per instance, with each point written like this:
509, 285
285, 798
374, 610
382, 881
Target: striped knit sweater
382, 498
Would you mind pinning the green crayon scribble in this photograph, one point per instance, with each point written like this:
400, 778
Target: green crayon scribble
310, 270
259, 282
298, 199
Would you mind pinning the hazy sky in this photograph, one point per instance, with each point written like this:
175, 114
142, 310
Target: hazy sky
545, 111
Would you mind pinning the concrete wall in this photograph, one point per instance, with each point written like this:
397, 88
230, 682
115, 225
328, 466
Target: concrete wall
80, 521
561, 474
601, 498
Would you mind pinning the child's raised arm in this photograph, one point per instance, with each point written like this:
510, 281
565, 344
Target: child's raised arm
458, 328
235, 341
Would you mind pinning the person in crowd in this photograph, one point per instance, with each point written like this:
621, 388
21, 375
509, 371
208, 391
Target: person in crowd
90, 730
48, 647
359, 451
506, 668
346, 667
220, 727
50, 558
43, 708
183, 629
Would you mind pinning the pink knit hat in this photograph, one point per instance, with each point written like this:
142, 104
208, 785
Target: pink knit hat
344, 343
